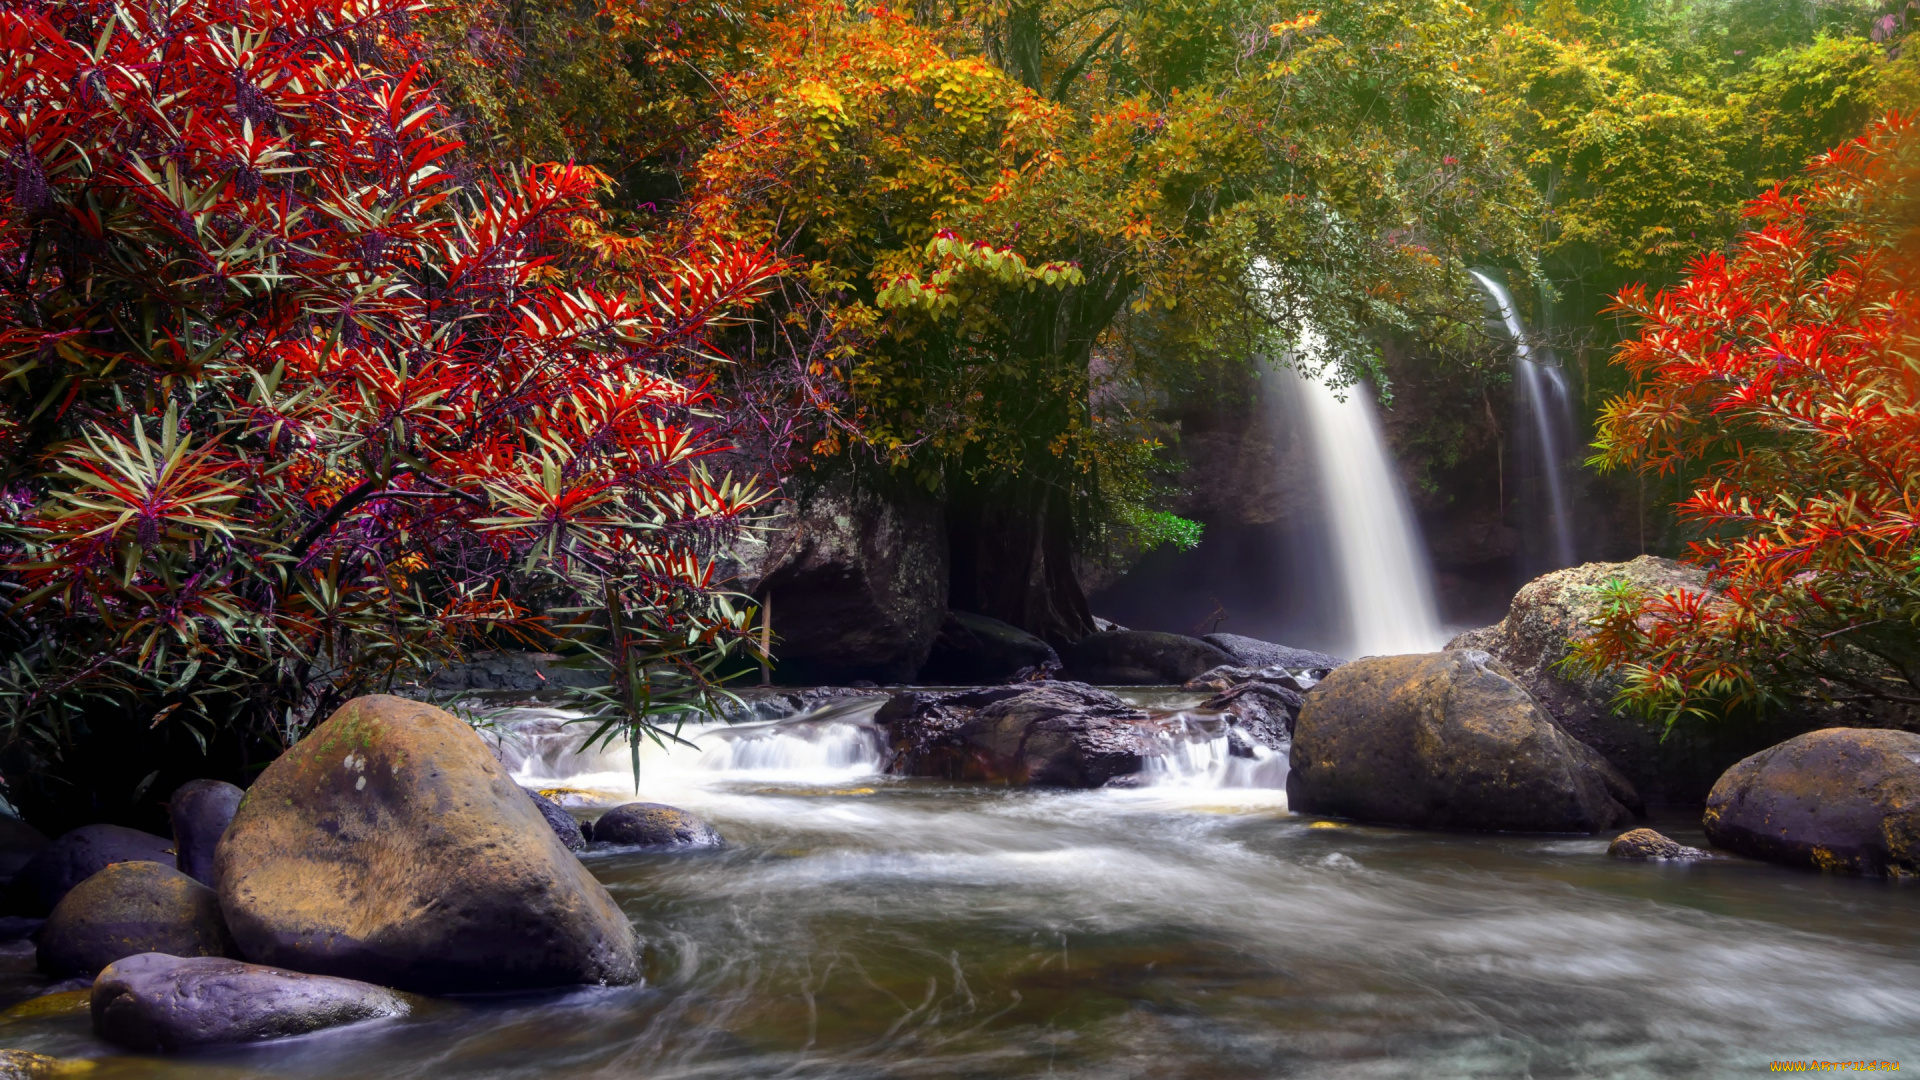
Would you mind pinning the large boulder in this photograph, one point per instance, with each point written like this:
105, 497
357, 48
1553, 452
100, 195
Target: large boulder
1254, 653
856, 577
127, 909
200, 811
390, 846
157, 1002
1140, 658
1843, 799
974, 650
1043, 734
655, 827
1551, 614
77, 856
1444, 740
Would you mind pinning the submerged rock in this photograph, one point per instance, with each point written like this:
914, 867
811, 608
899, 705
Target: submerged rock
1648, 844
77, 856
159, 1002
27, 1065
654, 826
1444, 740
131, 908
974, 649
201, 810
562, 823
1043, 734
1264, 709
389, 845
1842, 799
1254, 653
1140, 658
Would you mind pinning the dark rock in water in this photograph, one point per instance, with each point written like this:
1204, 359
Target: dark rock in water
1252, 652
1842, 799
201, 811
26, 1065
858, 581
562, 823
1264, 710
388, 845
1442, 740
127, 909
975, 650
19, 927
1140, 658
1044, 734
1648, 844
77, 856
19, 842
157, 1002
656, 826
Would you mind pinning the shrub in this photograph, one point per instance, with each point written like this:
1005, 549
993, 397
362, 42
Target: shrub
296, 397
1786, 377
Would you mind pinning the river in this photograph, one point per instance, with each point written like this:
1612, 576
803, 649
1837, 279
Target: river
859, 926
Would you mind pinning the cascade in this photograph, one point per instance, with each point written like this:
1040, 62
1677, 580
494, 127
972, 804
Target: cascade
1380, 560
1544, 402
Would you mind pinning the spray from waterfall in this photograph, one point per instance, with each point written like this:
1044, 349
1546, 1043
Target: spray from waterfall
1542, 398
1380, 560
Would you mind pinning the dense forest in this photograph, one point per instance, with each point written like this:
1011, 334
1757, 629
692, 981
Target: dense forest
344, 337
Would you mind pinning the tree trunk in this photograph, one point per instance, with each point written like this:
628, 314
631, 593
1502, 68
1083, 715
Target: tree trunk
1011, 545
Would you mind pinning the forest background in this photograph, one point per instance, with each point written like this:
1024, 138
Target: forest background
457, 397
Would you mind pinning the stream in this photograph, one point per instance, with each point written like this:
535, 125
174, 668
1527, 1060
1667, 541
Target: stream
861, 926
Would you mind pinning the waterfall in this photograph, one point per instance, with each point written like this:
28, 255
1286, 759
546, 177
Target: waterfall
1380, 561
1542, 398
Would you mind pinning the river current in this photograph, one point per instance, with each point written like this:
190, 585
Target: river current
859, 926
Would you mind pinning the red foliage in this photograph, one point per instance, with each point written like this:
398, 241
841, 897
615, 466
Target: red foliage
296, 394
1787, 378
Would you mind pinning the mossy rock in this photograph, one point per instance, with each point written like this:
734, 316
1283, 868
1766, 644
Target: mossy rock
130, 908
390, 846
1839, 799
1445, 740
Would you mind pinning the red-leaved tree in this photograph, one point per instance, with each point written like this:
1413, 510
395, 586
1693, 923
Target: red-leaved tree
1786, 377
296, 397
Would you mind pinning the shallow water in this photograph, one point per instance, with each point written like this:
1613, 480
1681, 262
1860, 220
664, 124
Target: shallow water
865, 927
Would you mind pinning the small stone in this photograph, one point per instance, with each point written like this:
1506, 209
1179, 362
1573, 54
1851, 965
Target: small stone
131, 908
201, 811
656, 826
158, 1002
25, 1065
1648, 844
77, 856
562, 823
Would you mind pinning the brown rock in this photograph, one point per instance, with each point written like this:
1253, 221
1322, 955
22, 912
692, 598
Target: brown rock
1842, 799
1442, 740
390, 846
26, 1065
130, 908
1648, 844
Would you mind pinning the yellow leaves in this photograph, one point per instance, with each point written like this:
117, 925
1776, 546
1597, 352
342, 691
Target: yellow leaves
1298, 25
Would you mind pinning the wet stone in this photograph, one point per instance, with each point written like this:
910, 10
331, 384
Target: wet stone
654, 826
1648, 844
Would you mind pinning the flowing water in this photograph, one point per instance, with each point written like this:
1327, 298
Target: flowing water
1545, 404
870, 928
1379, 558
